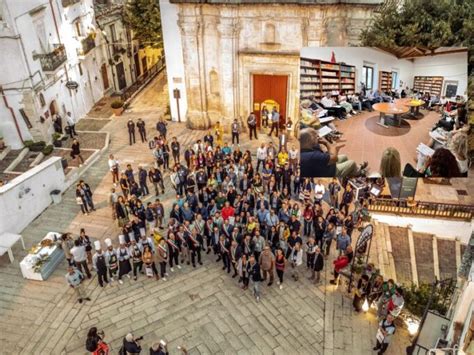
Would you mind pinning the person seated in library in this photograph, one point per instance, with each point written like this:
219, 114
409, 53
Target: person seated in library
364, 100
328, 103
374, 97
343, 101
452, 119
310, 118
319, 158
443, 164
386, 96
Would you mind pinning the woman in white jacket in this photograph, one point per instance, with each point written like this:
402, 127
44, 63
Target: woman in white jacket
296, 259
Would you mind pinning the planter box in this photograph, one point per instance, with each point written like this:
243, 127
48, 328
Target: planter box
117, 111
58, 143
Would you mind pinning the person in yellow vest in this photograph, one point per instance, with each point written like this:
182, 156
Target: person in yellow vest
282, 157
219, 132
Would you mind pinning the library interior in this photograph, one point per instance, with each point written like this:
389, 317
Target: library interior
393, 111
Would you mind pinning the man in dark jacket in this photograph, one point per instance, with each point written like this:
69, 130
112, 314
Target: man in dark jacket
161, 127
141, 129
252, 125
131, 131
142, 177
253, 270
131, 345
317, 266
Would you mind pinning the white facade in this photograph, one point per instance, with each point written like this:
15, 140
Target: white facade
217, 48
174, 59
29, 33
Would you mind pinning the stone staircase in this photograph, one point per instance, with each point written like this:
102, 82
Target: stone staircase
406, 256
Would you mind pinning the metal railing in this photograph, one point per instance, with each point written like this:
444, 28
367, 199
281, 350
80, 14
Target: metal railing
87, 44
51, 61
143, 79
422, 208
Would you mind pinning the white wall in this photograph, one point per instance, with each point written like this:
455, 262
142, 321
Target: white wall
174, 58
450, 66
357, 56
25, 197
453, 67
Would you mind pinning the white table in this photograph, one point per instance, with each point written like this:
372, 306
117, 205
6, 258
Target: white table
7, 241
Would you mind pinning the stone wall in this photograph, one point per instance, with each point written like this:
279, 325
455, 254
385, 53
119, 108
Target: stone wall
224, 44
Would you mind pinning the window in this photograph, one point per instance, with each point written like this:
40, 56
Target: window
25, 118
270, 33
78, 28
41, 99
368, 77
394, 80
113, 34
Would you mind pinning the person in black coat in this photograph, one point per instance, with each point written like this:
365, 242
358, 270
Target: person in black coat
131, 131
131, 345
141, 129
253, 270
318, 265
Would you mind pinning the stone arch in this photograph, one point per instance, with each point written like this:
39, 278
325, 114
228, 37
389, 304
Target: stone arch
269, 33
214, 82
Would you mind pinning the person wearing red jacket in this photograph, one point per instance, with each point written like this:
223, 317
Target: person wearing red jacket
341, 262
227, 211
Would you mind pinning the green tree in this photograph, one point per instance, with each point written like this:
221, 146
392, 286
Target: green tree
425, 23
144, 18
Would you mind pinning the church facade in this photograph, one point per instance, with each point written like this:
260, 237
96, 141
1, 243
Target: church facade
227, 58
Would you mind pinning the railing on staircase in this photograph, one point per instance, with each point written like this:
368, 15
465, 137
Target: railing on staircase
422, 208
143, 79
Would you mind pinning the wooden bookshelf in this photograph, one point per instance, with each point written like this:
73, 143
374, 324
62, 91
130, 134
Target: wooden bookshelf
432, 84
317, 77
385, 81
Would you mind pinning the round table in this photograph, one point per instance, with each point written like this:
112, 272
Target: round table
413, 104
387, 108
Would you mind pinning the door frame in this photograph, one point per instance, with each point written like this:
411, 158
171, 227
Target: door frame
288, 82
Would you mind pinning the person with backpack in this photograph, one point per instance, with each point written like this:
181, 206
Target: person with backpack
95, 343
384, 334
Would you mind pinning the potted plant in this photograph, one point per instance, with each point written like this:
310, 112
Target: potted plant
117, 107
57, 139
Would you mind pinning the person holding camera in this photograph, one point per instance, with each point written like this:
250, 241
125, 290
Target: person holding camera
131, 345
160, 348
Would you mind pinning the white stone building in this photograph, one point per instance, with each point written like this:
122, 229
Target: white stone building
45, 45
228, 57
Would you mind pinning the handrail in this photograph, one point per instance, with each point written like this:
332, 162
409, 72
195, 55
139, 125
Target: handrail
424, 208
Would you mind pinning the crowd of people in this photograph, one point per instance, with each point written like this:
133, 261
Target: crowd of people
252, 212
447, 156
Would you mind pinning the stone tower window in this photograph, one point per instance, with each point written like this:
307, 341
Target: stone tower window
214, 82
270, 33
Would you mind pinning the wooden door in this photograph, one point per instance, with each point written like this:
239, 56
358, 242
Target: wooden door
122, 81
144, 67
136, 60
270, 90
105, 76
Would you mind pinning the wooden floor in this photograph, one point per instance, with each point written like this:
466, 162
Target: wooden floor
365, 140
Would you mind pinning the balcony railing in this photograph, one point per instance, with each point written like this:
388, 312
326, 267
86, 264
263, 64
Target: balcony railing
53, 60
87, 44
67, 3
423, 208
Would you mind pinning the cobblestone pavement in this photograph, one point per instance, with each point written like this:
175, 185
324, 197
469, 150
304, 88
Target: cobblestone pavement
200, 308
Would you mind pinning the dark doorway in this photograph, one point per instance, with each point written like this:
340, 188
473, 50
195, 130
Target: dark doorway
105, 77
122, 81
